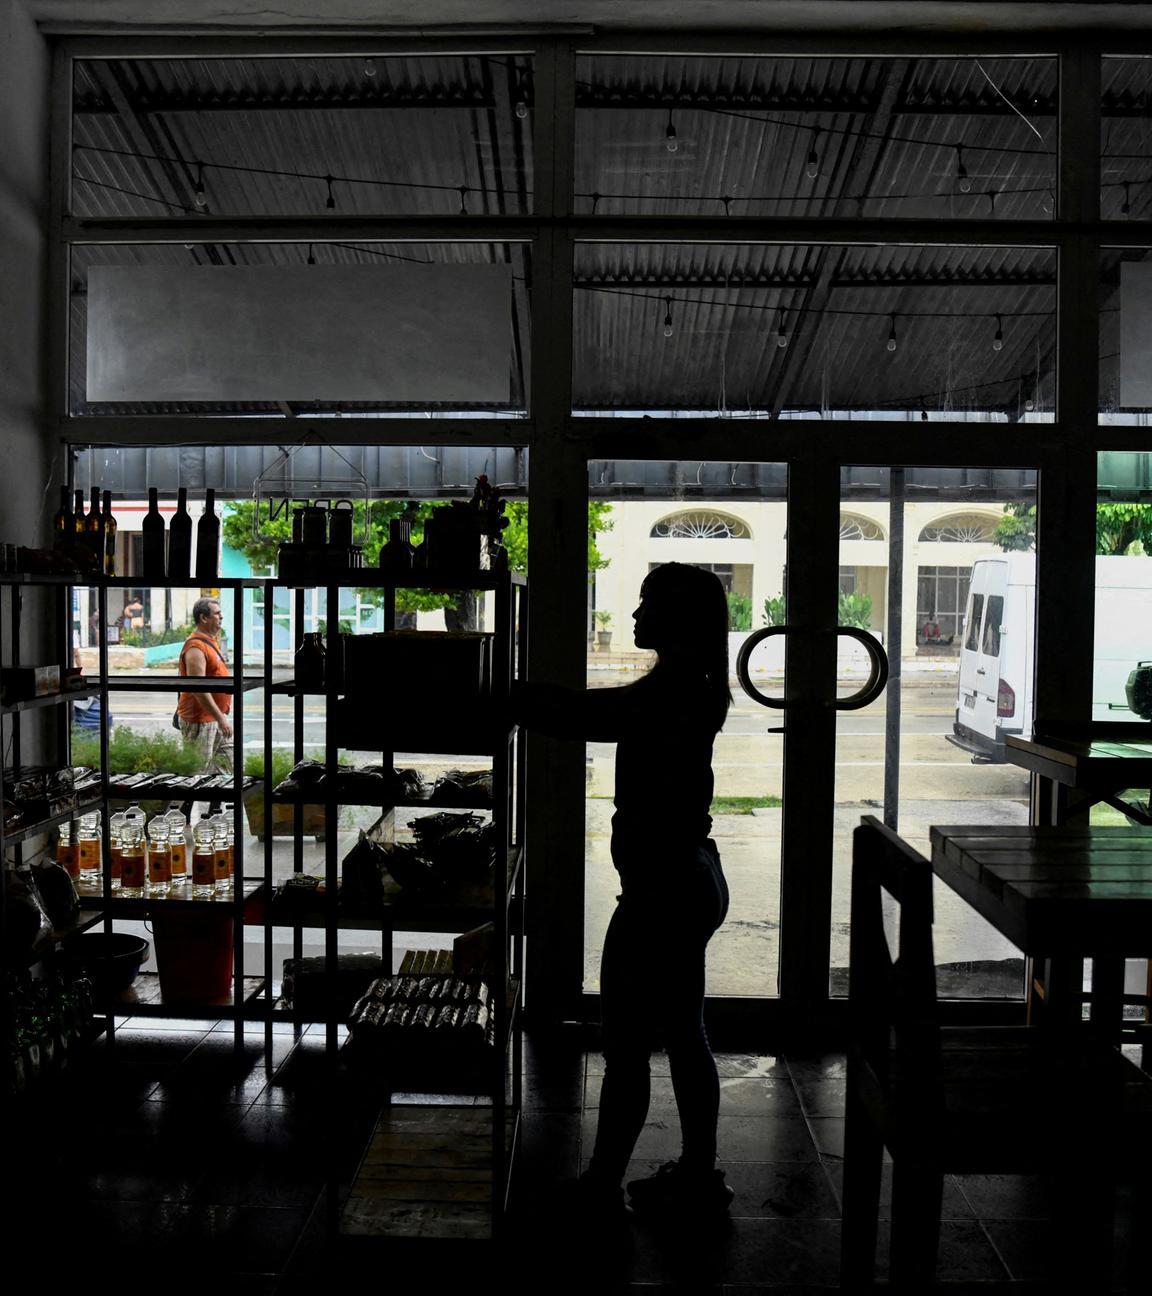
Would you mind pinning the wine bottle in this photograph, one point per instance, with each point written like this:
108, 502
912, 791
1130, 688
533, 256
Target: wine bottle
153, 537
207, 541
110, 529
180, 539
64, 523
94, 534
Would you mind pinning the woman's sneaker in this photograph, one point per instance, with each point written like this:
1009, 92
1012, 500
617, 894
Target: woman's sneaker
674, 1190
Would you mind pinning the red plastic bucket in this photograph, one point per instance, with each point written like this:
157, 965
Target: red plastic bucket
193, 954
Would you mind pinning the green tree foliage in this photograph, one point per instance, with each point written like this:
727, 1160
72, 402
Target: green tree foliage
1016, 530
259, 545
1120, 528
1123, 528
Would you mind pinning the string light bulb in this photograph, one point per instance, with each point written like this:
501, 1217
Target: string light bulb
311, 255
998, 340
890, 345
812, 166
781, 336
671, 143
963, 179
521, 107
330, 201
369, 67
1126, 205
667, 317
199, 197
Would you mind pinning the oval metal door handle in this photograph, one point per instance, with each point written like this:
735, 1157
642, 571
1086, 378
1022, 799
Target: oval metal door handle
876, 681
869, 693
753, 641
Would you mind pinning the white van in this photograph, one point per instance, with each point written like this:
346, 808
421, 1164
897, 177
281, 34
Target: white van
997, 650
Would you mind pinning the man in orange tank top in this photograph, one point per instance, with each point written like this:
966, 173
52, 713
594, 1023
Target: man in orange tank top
203, 717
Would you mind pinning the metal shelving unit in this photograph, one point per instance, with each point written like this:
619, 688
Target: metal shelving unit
502, 904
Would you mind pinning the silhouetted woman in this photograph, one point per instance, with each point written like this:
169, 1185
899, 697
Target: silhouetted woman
673, 893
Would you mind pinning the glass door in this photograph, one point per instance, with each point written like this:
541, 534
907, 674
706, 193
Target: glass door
731, 519
940, 565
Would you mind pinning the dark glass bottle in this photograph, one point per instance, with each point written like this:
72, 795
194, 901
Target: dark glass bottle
110, 529
79, 532
208, 541
64, 523
153, 540
94, 534
180, 540
396, 555
309, 663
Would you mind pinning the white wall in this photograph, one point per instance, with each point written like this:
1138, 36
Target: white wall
25, 448
630, 548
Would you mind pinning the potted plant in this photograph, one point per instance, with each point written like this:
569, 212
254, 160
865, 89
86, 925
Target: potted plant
603, 633
312, 817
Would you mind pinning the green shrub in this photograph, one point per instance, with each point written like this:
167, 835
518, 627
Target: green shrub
145, 638
775, 611
855, 610
739, 611
282, 764
132, 752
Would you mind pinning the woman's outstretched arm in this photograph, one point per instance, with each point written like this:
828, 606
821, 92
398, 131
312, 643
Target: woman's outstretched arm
591, 715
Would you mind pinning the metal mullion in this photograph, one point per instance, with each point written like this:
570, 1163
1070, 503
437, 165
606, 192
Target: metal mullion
849, 231
298, 229
134, 41
59, 256
1066, 504
949, 445
855, 43
132, 430
266, 795
810, 762
557, 527
238, 814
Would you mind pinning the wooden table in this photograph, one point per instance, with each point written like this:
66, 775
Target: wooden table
1061, 895
1097, 770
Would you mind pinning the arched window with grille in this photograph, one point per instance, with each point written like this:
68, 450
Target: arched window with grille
853, 526
960, 528
700, 524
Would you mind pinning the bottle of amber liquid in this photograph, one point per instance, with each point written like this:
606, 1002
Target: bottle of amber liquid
116, 849
159, 857
67, 851
203, 861
88, 848
132, 860
64, 523
221, 853
178, 846
94, 535
110, 529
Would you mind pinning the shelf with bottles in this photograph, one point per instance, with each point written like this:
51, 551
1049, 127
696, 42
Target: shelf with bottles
139, 864
178, 896
428, 578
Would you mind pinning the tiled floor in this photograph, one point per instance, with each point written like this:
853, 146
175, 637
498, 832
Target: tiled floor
171, 1160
